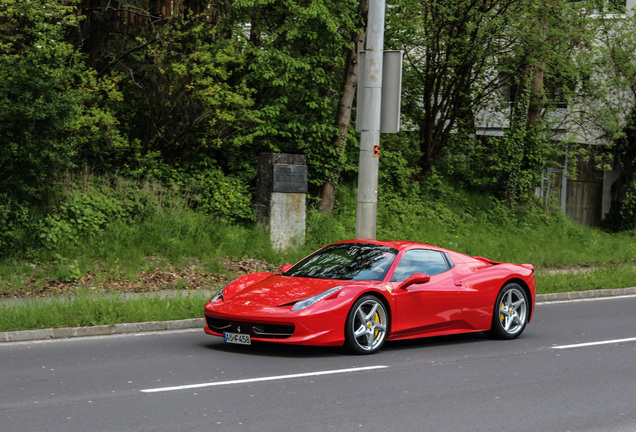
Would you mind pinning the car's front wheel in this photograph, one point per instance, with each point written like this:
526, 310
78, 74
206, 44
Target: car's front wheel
510, 314
367, 325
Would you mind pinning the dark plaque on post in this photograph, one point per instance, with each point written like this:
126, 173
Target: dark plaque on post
290, 178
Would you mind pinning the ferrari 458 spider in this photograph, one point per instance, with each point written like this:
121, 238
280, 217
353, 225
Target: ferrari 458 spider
361, 293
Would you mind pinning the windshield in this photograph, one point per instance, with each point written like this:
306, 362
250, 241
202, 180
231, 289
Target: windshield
346, 261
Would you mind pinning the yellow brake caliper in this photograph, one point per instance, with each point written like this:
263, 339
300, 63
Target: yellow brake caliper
376, 319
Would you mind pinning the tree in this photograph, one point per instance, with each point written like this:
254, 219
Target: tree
50, 104
508, 59
296, 56
542, 77
345, 107
609, 97
180, 68
189, 96
450, 49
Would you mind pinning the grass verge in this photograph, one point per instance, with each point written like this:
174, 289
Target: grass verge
92, 310
588, 278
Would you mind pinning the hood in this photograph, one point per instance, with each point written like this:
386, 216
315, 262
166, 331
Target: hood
275, 290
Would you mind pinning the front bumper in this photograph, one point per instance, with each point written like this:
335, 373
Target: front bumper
313, 326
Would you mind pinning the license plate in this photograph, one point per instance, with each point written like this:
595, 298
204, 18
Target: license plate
237, 338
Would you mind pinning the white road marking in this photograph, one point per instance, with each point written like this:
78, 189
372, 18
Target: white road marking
587, 344
254, 380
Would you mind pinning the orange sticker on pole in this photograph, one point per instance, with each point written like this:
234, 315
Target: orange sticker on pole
376, 151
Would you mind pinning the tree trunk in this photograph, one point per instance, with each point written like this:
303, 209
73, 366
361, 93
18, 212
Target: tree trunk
343, 116
537, 92
93, 26
527, 113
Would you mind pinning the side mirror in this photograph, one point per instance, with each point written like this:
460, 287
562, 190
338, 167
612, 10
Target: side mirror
415, 278
285, 268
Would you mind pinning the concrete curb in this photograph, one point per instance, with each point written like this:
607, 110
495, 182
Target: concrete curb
577, 295
101, 330
155, 326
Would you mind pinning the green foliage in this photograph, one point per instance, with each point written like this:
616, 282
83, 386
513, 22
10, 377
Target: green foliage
67, 272
182, 107
176, 111
451, 51
509, 167
204, 187
87, 212
186, 95
80, 216
446, 215
37, 108
95, 131
508, 64
607, 76
212, 192
622, 216
340, 224
628, 208
91, 207
610, 98
398, 174
49, 115
14, 220
296, 58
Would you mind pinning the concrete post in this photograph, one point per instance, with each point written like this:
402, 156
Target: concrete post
280, 198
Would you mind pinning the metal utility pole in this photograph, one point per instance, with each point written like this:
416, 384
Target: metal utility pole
366, 212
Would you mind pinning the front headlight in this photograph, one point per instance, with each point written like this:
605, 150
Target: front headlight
217, 295
302, 304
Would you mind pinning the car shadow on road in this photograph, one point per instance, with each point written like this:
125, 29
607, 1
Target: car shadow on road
274, 350
435, 341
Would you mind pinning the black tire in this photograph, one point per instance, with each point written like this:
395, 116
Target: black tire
367, 325
510, 312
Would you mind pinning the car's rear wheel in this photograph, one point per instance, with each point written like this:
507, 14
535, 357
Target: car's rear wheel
367, 325
510, 314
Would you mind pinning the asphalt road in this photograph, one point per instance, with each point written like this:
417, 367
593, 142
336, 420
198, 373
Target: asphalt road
187, 381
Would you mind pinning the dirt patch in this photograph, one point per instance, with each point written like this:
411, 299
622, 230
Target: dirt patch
191, 278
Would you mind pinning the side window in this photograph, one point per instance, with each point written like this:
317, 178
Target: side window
425, 261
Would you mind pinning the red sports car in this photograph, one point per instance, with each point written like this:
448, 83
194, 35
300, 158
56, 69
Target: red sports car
361, 293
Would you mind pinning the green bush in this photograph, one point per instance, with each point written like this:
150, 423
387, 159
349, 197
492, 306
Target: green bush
205, 188
215, 193
14, 220
53, 109
82, 215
